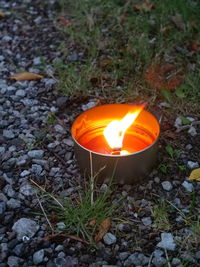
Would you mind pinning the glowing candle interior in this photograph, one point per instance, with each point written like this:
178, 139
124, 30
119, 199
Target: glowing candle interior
115, 129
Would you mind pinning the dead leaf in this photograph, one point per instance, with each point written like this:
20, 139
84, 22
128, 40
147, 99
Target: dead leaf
59, 238
64, 22
104, 62
2, 15
178, 21
195, 46
92, 223
25, 76
163, 76
195, 175
146, 5
103, 229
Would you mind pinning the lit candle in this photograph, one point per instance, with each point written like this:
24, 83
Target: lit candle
116, 129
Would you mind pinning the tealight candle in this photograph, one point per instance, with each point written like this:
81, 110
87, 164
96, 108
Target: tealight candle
115, 131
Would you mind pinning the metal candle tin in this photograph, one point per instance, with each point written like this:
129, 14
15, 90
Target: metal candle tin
91, 149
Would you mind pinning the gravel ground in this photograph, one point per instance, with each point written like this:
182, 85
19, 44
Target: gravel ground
33, 147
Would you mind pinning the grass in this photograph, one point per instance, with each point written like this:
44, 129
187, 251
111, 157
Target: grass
119, 44
163, 213
82, 216
161, 217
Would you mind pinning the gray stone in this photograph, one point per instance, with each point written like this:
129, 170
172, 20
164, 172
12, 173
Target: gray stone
147, 221
192, 165
8, 134
109, 239
37, 61
167, 242
3, 198
73, 57
2, 207
59, 129
54, 171
197, 255
49, 82
136, 259
27, 190
25, 173
61, 254
188, 257
36, 154
3, 247
13, 261
38, 256
7, 38
13, 203
178, 122
20, 93
159, 261
61, 101
25, 227
19, 250
59, 248
157, 180
88, 106
188, 147
21, 162
188, 186
158, 253
68, 142
53, 145
36, 169
175, 261
167, 186
192, 131
2, 150
61, 225
8, 190
66, 262
123, 255
11, 88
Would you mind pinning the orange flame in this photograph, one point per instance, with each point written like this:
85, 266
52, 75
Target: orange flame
115, 130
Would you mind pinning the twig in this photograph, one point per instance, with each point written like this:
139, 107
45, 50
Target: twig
150, 259
45, 215
58, 157
168, 262
92, 180
41, 188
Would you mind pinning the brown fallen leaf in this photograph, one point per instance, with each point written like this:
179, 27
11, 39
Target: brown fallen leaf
145, 5
105, 62
103, 229
195, 46
195, 175
64, 22
92, 223
163, 76
2, 15
25, 76
178, 21
59, 238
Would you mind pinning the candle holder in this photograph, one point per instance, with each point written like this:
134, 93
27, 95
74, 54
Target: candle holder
94, 155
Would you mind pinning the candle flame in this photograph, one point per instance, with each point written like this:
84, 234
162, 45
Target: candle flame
115, 130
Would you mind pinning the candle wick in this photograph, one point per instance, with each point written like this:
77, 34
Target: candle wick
116, 151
